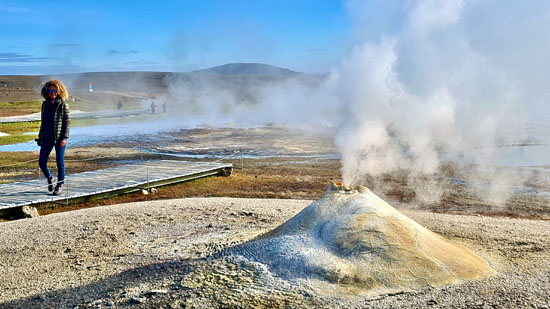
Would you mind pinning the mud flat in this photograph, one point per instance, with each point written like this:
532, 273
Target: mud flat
142, 255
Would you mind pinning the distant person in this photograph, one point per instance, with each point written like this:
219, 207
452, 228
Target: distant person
153, 107
54, 131
164, 107
119, 105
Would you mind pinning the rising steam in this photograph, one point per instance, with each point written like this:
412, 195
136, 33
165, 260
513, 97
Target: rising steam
432, 84
426, 79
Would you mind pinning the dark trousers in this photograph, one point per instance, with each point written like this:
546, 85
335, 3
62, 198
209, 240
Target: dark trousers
45, 151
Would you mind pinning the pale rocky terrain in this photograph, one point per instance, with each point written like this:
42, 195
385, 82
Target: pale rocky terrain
151, 255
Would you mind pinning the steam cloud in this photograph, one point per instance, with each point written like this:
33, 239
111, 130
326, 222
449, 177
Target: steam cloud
426, 79
453, 77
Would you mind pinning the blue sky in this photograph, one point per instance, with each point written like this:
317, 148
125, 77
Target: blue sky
73, 36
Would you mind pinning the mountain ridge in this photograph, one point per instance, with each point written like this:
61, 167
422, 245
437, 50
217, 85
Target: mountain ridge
247, 68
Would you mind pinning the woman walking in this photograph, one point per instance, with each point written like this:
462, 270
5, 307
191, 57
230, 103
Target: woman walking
54, 131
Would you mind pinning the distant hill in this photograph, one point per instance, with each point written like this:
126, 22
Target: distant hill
34, 81
249, 69
228, 75
241, 79
110, 80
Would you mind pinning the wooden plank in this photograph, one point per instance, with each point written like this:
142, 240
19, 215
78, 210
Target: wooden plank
115, 180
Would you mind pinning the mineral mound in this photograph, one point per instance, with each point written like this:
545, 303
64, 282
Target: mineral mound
349, 242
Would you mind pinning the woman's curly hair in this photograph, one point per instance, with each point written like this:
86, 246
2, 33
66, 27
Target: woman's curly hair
61, 89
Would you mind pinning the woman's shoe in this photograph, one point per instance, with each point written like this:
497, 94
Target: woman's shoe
58, 189
50, 184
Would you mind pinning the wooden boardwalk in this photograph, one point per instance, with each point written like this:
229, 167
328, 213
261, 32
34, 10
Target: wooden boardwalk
105, 182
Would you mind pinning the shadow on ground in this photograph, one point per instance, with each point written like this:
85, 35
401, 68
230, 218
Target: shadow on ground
133, 287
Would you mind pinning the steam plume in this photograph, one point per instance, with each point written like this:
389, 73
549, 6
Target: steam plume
433, 84
426, 79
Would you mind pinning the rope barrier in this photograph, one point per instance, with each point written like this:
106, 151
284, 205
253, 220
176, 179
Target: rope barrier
228, 156
218, 160
66, 160
88, 159
95, 158
20, 163
241, 152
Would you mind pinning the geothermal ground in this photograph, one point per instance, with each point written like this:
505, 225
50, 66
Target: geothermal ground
152, 255
162, 253
169, 252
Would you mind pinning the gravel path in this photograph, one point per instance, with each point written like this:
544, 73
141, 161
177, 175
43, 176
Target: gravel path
138, 255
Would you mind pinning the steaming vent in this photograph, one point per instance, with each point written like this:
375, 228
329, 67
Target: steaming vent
351, 242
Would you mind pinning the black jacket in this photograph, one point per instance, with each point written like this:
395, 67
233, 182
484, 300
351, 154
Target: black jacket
61, 121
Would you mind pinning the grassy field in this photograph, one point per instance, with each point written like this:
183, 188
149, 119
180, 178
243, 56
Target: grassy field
19, 108
15, 166
16, 132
